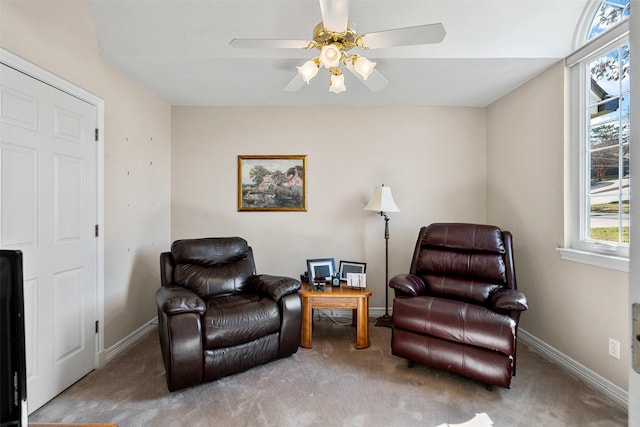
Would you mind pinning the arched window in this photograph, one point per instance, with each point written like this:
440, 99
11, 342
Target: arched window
600, 102
608, 14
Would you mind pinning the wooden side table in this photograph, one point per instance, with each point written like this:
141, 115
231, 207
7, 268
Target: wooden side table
343, 297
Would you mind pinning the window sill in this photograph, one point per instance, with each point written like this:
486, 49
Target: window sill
598, 260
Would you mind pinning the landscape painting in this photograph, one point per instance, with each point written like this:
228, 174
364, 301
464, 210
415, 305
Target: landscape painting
272, 183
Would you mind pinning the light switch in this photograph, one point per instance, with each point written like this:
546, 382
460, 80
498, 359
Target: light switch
635, 331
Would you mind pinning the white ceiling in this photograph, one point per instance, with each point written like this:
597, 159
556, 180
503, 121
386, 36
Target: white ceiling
180, 49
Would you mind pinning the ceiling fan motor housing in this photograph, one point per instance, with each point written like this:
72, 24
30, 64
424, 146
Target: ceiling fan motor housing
347, 39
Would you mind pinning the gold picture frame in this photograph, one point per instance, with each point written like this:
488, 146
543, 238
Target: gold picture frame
272, 183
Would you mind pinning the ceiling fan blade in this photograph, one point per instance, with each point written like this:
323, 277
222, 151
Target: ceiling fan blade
421, 34
376, 81
295, 84
269, 44
335, 15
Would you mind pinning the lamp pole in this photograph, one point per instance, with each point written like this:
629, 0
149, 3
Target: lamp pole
385, 319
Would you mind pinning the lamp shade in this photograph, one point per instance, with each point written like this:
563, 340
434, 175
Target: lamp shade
330, 55
382, 201
364, 67
308, 70
336, 85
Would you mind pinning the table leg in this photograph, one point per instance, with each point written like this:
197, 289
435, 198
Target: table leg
362, 325
307, 323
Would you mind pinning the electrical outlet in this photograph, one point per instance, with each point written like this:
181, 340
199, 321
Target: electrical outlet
614, 348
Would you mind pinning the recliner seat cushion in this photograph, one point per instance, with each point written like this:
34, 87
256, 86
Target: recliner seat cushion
456, 321
235, 319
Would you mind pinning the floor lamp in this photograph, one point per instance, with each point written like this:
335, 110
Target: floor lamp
382, 201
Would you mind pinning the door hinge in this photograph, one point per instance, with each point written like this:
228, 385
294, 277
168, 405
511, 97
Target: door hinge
97, 326
97, 230
97, 134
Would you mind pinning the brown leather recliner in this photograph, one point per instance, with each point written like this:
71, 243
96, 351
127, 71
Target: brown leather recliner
217, 317
458, 308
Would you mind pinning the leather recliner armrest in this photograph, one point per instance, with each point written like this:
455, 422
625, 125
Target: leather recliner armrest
408, 285
173, 299
509, 299
273, 286
166, 268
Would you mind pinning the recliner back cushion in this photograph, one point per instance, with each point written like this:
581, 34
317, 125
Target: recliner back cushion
461, 261
212, 266
209, 251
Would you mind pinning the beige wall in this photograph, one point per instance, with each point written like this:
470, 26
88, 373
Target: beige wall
574, 307
432, 158
59, 36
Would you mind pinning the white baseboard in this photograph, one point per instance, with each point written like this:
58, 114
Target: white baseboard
592, 379
127, 342
377, 311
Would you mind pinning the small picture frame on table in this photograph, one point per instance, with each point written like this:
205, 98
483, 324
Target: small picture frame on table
321, 267
351, 267
357, 280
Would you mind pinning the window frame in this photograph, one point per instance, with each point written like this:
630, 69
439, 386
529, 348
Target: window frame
614, 255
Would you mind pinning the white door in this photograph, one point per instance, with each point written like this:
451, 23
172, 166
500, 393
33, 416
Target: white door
48, 209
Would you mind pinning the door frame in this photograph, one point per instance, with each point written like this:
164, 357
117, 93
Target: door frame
59, 83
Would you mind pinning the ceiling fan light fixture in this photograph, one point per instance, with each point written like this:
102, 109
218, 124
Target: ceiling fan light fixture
309, 69
336, 84
335, 36
363, 66
330, 55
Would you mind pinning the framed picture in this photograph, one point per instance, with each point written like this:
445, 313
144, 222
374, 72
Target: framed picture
272, 183
351, 267
357, 280
321, 267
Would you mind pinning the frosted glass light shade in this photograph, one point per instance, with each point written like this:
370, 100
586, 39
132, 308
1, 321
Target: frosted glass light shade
330, 56
382, 201
308, 70
337, 83
364, 67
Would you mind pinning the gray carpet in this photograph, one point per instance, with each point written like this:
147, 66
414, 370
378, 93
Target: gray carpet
332, 384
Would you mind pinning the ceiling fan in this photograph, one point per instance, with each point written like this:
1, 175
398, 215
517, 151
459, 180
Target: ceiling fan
334, 37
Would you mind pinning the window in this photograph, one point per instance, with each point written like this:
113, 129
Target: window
607, 146
608, 13
599, 75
